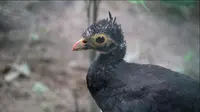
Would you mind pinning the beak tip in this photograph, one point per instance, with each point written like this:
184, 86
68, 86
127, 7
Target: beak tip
78, 45
73, 48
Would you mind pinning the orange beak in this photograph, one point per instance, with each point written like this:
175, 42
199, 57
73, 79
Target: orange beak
79, 45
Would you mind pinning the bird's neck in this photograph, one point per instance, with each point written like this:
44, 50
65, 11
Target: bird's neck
116, 55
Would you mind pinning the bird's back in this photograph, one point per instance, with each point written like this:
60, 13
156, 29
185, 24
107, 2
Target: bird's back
129, 87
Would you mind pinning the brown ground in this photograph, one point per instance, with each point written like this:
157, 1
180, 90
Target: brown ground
152, 37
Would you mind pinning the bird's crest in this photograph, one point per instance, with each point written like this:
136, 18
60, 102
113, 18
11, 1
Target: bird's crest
111, 18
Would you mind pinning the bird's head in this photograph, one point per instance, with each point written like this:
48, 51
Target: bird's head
103, 36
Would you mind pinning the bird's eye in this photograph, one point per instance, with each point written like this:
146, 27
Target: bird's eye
84, 41
100, 39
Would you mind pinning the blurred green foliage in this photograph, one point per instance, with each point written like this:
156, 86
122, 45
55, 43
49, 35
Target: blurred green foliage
137, 1
188, 56
40, 88
191, 63
180, 3
177, 3
142, 2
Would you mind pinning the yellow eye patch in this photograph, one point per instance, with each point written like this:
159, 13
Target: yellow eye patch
100, 39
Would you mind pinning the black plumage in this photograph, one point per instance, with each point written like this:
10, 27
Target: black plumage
118, 86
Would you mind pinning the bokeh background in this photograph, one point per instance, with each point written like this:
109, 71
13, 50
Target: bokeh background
40, 73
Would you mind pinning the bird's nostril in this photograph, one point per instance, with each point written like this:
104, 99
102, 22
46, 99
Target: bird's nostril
84, 41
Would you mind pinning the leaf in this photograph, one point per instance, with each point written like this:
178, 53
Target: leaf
188, 56
142, 2
35, 37
180, 2
39, 87
24, 68
137, 1
11, 76
144, 5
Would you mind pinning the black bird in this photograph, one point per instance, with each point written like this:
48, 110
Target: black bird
118, 86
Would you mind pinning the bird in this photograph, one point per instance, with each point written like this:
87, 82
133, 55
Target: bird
120, 86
